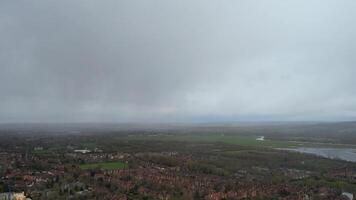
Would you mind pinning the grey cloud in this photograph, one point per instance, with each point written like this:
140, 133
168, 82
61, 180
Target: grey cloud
177, 60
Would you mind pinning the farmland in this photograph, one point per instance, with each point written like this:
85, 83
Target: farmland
240, 140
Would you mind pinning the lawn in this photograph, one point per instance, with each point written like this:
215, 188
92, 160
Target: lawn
42, 152
104, 165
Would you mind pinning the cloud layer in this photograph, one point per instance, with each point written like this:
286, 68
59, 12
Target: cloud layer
154, 61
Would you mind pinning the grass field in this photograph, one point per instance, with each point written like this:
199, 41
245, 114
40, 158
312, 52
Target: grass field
105, 165
241, 140
41, 152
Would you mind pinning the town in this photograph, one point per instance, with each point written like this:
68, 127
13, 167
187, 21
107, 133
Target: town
115, 166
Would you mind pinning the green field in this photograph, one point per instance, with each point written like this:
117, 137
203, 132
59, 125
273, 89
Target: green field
105, 165
43, 152
240, 140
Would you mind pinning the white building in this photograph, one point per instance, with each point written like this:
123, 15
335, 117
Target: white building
13, 196
261, 138
82, 151
348, 195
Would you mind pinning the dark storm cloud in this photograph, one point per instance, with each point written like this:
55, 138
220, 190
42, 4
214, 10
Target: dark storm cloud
177, 60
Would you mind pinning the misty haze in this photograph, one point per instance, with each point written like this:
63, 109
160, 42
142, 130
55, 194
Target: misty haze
178, 100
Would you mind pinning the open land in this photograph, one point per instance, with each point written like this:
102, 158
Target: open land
170, 163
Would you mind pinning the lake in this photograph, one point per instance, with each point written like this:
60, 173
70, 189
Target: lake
346, 154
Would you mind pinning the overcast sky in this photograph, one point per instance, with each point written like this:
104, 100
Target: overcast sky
177, 61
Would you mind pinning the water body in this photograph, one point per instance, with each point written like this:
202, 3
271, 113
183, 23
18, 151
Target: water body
346, 154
